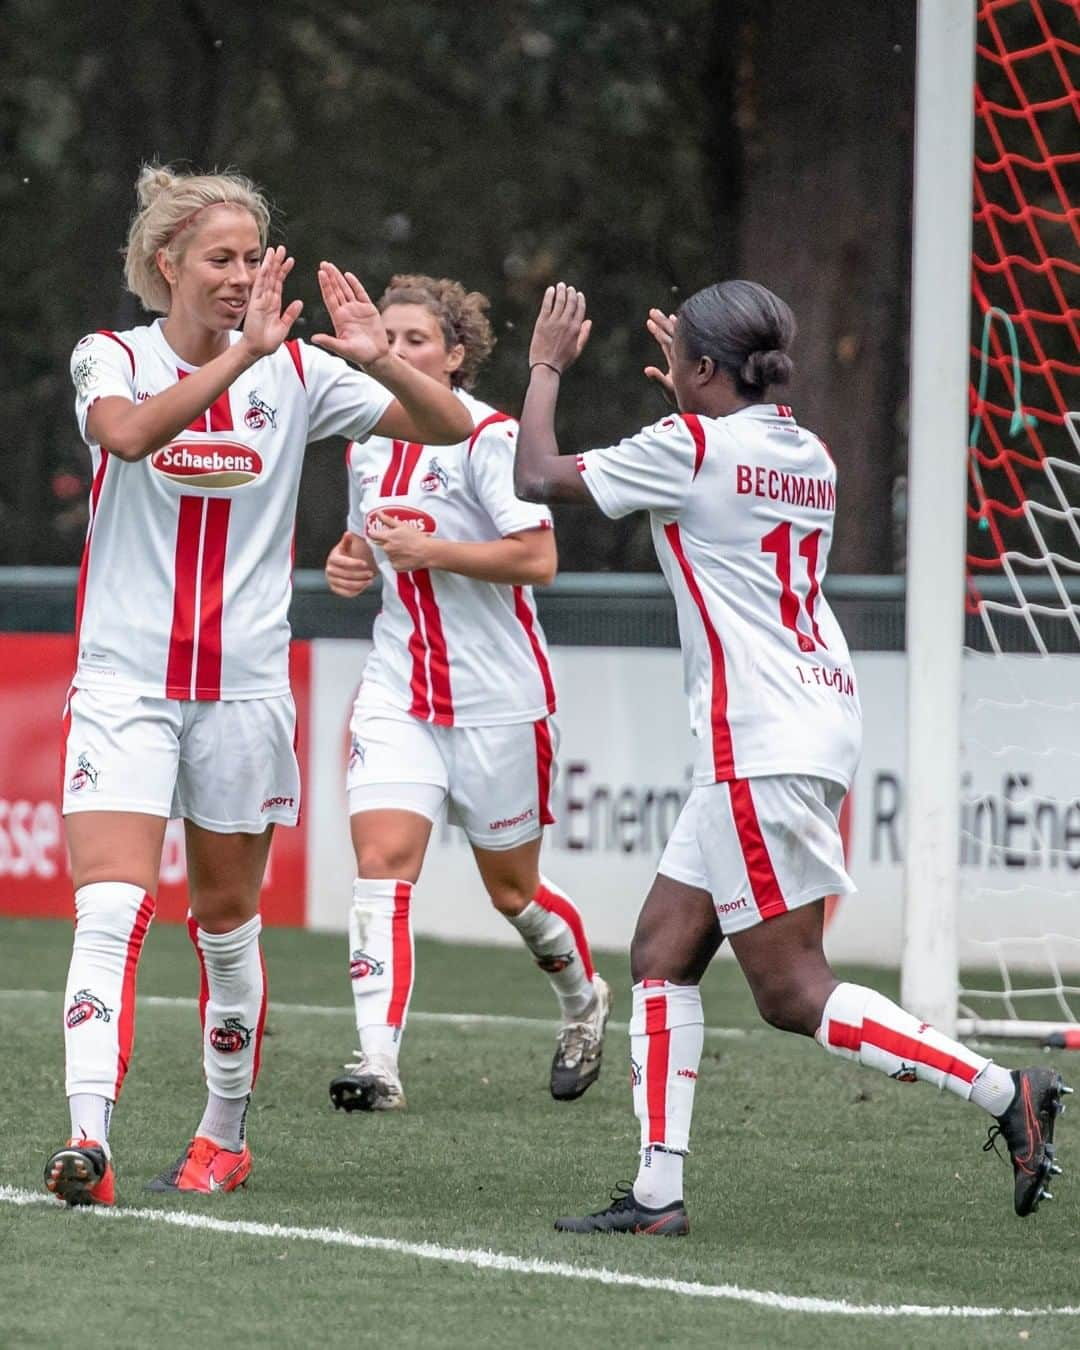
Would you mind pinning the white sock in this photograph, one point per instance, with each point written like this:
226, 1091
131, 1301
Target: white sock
90, 1118
863, 1025
554, 932
667, 1032
993, 1089
659, 1180
381, 962
232, 1003
111, 919
225, 1121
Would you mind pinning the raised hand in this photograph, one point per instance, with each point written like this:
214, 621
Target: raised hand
561, 329
662, 327
359, 335
350, 568
266, 325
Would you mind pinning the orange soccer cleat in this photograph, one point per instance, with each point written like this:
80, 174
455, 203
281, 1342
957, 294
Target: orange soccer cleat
204, 1167
80, 1173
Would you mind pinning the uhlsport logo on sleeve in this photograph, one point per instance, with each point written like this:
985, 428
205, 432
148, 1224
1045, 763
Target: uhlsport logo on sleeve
208, 464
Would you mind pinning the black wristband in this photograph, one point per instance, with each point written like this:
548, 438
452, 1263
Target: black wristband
545, 363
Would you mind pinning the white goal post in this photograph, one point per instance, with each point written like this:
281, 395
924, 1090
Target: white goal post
936, 496
992, 813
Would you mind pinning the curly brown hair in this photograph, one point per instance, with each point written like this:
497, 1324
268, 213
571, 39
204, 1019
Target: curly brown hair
462, 315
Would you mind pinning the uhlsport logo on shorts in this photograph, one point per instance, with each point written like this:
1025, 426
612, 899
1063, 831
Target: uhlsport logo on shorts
85, 775
361, 965
84, 1007
210, 464
374, 526
231, 1037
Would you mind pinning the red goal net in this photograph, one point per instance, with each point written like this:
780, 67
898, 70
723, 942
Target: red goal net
1024, 465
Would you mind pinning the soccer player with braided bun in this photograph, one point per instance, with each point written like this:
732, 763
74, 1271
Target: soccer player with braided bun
180, 702
455, 709
742, 501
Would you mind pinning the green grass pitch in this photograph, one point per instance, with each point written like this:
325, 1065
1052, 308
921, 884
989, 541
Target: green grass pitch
809, 1177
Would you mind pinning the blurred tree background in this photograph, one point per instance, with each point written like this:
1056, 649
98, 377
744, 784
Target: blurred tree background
639, 150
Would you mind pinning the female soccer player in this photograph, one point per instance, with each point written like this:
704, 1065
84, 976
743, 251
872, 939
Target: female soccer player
456, 702
180, 704
742, 501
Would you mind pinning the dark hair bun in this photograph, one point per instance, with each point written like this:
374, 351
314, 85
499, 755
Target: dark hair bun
760, 369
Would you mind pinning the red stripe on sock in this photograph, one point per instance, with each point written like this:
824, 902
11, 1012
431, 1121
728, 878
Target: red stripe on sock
844, 1036
204, 985
909, 1047
759, 869
657, 1060
125, 1027
401, 939
262, 1020
567, 911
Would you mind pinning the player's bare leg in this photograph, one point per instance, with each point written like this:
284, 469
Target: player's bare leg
389, 847
115, 857
553, 930
677, 936
796, 990
225, 873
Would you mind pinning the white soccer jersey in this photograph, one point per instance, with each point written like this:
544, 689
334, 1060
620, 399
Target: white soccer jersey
449, 649
742, 512
187, 570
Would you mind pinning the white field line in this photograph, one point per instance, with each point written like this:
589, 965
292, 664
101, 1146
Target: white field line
325, 1010
516, 1265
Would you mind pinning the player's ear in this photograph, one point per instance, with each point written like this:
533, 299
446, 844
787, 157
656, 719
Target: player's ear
454, 357
706, 368
165, 266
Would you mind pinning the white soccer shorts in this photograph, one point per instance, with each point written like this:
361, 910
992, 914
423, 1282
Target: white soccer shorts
760, 846
494, 780
228, 766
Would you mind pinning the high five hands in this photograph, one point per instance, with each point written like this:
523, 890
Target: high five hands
359, 334
662, 327
561, 329
266, 325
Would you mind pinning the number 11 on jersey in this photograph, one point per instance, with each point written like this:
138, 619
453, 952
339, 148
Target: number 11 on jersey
779, 543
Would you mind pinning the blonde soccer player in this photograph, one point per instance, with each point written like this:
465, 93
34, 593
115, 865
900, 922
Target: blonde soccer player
742, 501
455, 709
180, 702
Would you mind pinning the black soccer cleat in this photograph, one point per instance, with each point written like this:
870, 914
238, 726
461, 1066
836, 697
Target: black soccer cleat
80, 1173
626, 1215
1027, 1128
369, 1083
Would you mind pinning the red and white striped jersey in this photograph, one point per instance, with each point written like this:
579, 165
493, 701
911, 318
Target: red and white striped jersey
449, 649
187, 569
742, 511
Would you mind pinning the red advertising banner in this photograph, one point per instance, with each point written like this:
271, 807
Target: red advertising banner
35, 673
